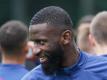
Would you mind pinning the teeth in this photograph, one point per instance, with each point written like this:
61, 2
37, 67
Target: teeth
43, 59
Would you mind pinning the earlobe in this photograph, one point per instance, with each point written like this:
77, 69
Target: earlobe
66, 37
91, 40
25, 48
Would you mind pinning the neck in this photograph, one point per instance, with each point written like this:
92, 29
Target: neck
71, 56
101, 50
10, 59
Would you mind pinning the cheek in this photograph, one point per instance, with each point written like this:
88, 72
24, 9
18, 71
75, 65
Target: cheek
56, 49
52, 47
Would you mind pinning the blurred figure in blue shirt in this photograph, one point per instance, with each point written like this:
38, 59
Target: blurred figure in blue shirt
31, 59
13, 43
98, 33
52, 33
82, 34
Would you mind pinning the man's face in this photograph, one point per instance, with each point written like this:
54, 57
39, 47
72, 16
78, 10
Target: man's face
47, 40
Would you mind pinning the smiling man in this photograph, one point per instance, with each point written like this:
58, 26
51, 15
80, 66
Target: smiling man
51, 30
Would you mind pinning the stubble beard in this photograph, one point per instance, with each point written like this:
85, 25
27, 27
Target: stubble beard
55, 60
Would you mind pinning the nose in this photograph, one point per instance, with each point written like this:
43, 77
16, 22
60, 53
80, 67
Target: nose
36, 51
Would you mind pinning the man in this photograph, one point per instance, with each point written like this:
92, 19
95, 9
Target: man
51, 31
13, 43
98, 33
83, 30
31, 59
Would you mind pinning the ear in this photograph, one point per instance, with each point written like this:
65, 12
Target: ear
66, 37
25, 48
92, 40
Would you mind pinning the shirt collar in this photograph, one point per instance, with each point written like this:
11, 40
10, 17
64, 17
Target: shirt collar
74, 68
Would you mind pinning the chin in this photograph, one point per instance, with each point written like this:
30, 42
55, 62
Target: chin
50, 68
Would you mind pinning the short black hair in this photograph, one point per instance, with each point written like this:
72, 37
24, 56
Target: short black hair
52, 15
12, 35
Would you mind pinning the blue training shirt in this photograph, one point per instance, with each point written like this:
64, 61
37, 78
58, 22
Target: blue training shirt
87, 67
12, 71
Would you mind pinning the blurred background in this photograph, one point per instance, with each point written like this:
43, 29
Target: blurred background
24, 9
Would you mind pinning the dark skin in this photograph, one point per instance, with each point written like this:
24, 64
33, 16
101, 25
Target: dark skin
51, 43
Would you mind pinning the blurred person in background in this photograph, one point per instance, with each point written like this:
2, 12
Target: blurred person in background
13, 44
82, 35
98, 33
52, 33
31, 59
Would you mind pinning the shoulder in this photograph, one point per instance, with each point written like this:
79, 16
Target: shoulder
35, 74
22, 70
96, 64
93, 61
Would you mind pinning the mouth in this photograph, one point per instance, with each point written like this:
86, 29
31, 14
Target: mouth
43, 58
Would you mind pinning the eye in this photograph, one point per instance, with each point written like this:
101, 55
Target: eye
40, 42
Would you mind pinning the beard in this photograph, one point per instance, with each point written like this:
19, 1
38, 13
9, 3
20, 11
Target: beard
55, 59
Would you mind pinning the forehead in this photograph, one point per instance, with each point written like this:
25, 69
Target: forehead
41, 30
38, 27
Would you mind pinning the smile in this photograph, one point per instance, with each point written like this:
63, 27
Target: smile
43, 59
